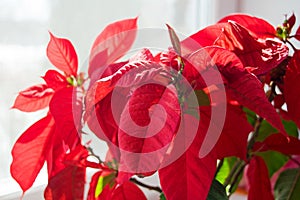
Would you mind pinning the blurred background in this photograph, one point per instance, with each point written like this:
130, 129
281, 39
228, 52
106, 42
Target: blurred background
24, 26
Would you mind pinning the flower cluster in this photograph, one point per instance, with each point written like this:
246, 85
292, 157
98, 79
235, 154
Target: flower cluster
216, 107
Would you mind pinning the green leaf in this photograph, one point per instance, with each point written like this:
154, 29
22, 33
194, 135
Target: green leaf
291, 128
203, 98
162, 196
251, 116
217, 191
287, 186
99, 186
102, 182
265, 130
274, 160
175, 40
224, 171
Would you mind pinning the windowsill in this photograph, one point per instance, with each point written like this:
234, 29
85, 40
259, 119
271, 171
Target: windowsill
10, 190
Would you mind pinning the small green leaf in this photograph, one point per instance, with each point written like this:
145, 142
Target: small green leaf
175, 40
251, 116
198, 98
224, 171
265, 130
162, 196
102, 182
291, 128
99, 186
217, 191
287, 186
203, 99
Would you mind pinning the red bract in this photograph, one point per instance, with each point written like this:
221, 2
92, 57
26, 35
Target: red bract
34, 98
291, 21
129, 104
55, 80
30, 152
68, 122
233, 139
241, 85
297, 35
126, 191
203, 38
262, 55
111, 44
62, 55
277, 142
147, 124
179, 180
71, 178
67, 184
259, 182
258, 27
291, 88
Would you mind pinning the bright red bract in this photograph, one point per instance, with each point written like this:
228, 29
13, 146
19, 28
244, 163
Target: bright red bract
62, 55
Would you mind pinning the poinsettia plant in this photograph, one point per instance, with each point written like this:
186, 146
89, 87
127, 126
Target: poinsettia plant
214, 114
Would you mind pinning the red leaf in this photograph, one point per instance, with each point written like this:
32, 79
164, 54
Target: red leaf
277, 142
112, 43
67, 184
34, 98
30, 152
147, 125
262, 55
142, 55
233, 139
55, 80
168, 59
291, 88
175, 40
66, 108
106, 126
258, 26
279, 101
241, 85
62, 55
259, 182
77, 157
188, 177
297, 35
56, 155
291, 21
203, 38
128, 191
131, 73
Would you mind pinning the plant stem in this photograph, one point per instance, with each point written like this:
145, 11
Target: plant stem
94, 155
254, 135
240, 165
236, 177
219, 166
149, 187
232, 173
